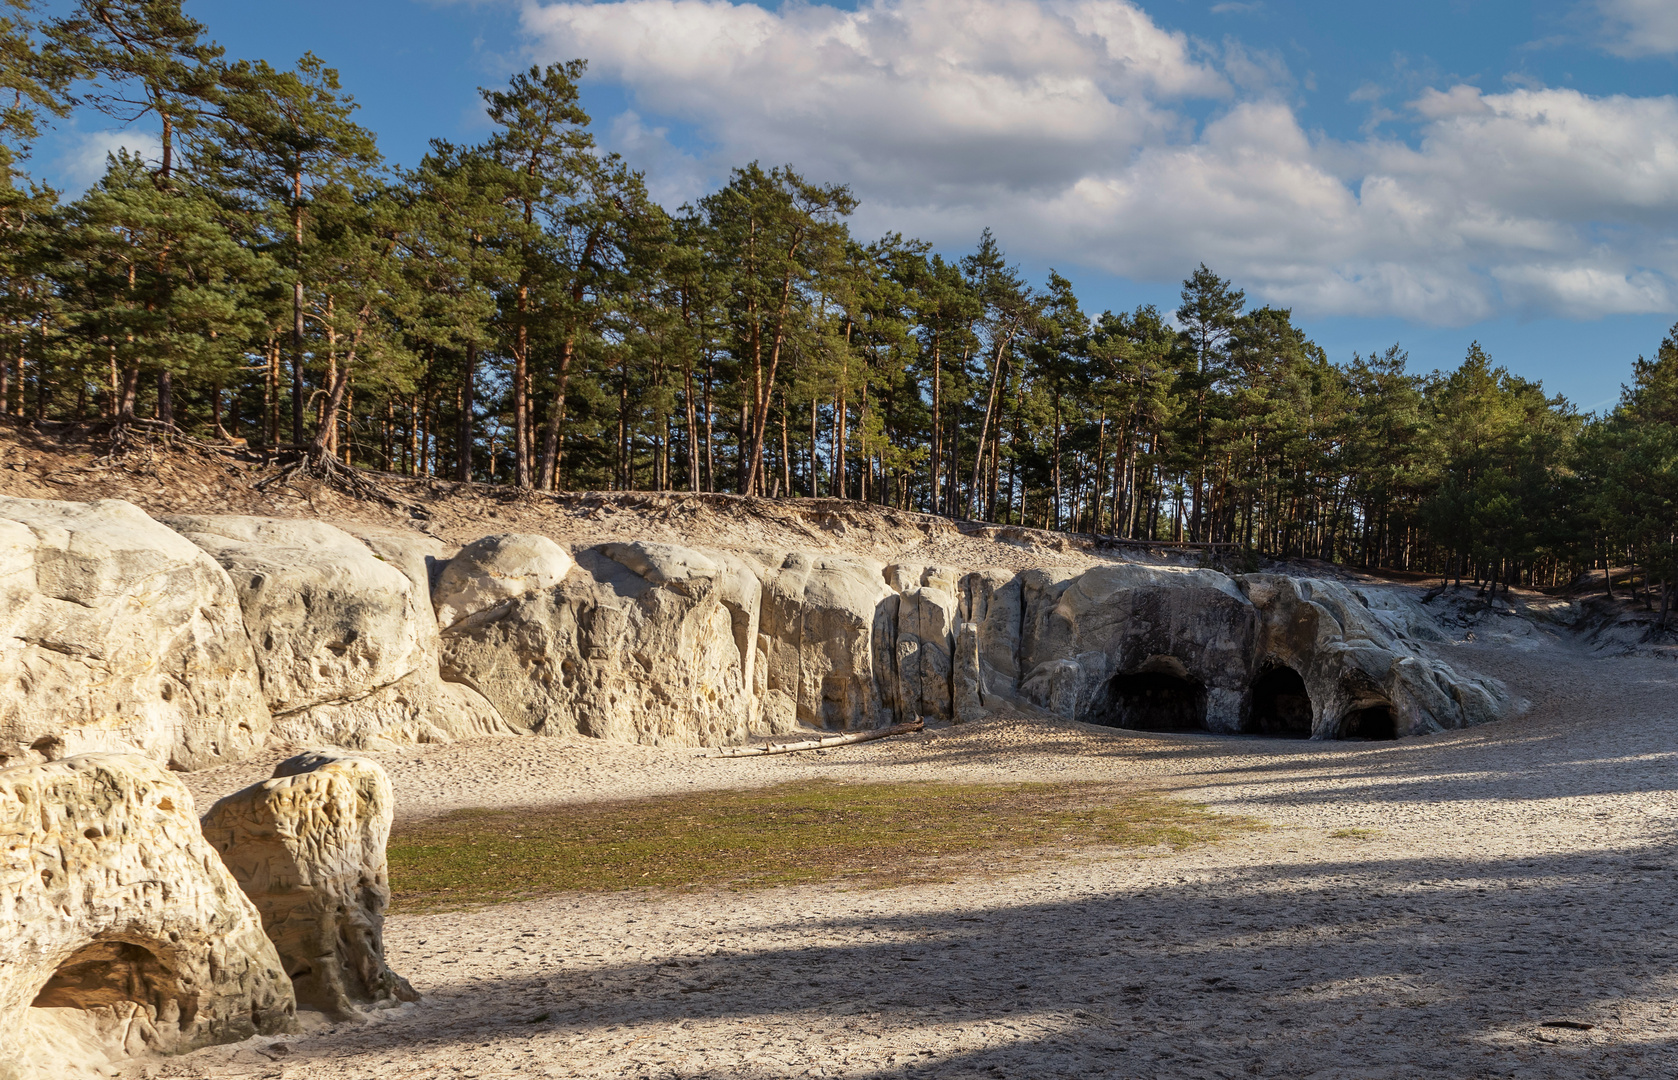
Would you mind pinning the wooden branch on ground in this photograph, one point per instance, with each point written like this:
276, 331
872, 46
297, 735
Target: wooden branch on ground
823, 742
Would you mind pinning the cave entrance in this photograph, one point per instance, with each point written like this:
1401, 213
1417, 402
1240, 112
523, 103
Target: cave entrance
1155, 701
106, 975
1281, 706
1369, 723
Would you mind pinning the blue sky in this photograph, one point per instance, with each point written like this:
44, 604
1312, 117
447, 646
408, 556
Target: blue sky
1430, 173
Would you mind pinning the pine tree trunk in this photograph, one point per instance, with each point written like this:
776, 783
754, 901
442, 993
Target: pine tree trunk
692, 427
990, 409
297, 330
551, 452
786, 447
815, 492
841, 483
165, 398
937, 424
466, 434
130, 392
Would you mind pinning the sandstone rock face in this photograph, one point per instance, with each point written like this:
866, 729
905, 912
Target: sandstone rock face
123, 931
1174, 649
828, 635
1359, 649
342, 631
642, 644
116, 634
921, 672
308, 849
328, 620
366, 638
495, 570
1079, 631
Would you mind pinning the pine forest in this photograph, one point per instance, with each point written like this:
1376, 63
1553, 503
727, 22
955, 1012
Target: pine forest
521, 312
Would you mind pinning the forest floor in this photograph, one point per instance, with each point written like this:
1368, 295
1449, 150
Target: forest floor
1484, 903
181, 479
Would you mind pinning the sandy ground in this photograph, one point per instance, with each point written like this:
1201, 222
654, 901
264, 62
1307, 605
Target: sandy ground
1524, 873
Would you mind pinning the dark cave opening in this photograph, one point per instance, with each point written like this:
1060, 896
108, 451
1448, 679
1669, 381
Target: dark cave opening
1155, 701
1369, 723
107, 973
1281, 706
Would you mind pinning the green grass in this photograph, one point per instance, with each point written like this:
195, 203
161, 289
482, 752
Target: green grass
868, 835
1357, 834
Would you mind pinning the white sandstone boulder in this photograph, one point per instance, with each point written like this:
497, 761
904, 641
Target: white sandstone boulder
124, 934
342, 631
118, 635
495, 570
308, 849
642, 644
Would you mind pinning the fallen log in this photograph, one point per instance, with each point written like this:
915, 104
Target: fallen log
823, 742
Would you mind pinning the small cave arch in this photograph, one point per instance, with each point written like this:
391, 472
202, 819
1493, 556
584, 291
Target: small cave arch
1371, 722
1159, 697
1281, 705
107, 976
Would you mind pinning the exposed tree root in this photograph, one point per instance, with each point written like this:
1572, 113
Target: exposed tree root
345, 478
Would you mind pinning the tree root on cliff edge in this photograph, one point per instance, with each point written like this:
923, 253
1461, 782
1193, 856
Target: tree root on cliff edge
345, 478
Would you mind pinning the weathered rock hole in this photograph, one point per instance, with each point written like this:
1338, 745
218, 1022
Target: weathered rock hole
1369, 723
104, 975
1154, 701
1281, 706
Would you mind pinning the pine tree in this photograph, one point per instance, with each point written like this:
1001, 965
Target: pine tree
157, 283
544, 153
284, 143
143, 58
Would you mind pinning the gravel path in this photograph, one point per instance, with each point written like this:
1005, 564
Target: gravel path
1521, 874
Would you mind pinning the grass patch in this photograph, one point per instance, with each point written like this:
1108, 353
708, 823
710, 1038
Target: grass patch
1357, 834
878, 834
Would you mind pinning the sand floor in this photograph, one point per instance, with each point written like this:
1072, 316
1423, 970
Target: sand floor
1524, 873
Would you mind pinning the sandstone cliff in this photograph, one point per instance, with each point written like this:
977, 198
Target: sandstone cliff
203, 641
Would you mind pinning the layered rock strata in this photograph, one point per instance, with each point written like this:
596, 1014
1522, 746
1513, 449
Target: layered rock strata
308, 848
124, 933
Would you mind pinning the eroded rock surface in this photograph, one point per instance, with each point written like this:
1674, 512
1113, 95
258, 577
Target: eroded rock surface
123, 932
640, 645
342, 631
1175, 649
384, 637
829, 642
495, 570
308, 848
118, 635
1361, 650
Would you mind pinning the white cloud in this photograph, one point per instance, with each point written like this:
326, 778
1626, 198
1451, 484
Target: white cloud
1640, 27
83, 161
1066, 125
673, 177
